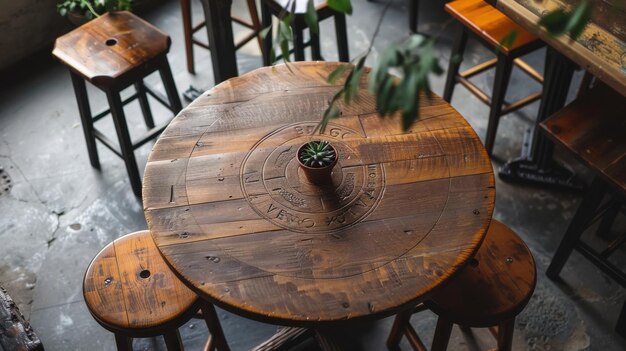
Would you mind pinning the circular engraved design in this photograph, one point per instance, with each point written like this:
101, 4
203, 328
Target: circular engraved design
277, 189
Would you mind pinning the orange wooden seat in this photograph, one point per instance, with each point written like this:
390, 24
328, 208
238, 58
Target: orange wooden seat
490, 26
130, 291
489, 23
114, 51
491, 291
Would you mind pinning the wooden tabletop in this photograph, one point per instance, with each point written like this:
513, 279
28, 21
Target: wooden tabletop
234, 217
601, 49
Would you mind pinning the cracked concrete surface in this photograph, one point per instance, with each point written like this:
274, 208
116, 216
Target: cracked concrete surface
61, 212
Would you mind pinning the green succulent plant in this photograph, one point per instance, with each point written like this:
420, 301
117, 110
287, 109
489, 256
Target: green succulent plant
317, 154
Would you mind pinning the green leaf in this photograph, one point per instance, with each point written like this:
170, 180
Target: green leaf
343, 6
62, 11
266, 31
555, 22
332, 77
507, 41
578, 19
310, 17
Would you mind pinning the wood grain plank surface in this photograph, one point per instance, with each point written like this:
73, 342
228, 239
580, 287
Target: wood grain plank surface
234, 216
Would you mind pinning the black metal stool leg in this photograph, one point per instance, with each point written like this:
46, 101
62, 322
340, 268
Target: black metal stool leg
126, 145
456, 57
266, 21
298, 43
316, 51
123, 343
442, 335
80, 90
170, 86
620, 327
504, 67
584, 214
172, 341
145, 105
413, 15
342, 37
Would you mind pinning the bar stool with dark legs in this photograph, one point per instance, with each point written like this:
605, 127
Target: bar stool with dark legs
276, 7
592, 128
130, 291
189, 30
112, 52
485, 23
489, 293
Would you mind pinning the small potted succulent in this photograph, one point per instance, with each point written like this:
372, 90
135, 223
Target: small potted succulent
317, 159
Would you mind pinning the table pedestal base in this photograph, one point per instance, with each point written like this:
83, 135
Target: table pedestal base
288, 337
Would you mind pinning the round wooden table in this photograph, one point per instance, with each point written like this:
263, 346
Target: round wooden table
237, 220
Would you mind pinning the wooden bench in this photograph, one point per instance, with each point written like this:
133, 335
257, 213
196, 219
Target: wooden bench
593, 129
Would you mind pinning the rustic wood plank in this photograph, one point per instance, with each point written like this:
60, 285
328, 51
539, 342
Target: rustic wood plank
601, 47
403, 213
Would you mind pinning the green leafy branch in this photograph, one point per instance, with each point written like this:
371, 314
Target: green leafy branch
92, 8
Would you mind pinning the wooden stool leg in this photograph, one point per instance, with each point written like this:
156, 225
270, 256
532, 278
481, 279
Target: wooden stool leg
170, 86
505, 335
80, 90
123, 343
215, 328
584, 214
126, 145
442, 335
342, 37
400, 324
145, 105
504, 67
254, 17
298, 43
185, 8
266, 20
413, 15
458, 48
172, 340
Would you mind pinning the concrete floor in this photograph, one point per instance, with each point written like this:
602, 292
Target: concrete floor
60, 212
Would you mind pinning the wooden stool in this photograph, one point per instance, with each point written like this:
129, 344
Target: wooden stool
493, 289
112, 52
130, 291
490, 26
599, 143
189, 30
277, 7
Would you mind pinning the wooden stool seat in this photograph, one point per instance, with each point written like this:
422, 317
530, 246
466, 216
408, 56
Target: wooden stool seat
489, 23
491, 291
114, 51
130, 291
106, 48
490, 27
298, 8
495, 287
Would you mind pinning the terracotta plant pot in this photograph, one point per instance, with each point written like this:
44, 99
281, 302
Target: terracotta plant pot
317, 175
